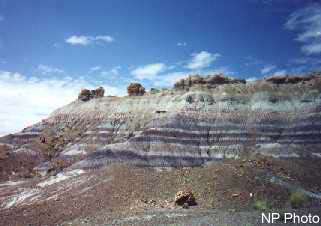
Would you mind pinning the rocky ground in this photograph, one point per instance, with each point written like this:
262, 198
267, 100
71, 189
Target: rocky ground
123, 195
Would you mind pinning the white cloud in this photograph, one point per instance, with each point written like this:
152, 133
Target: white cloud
1, 18
202, 60
181, 44
215, 71
308, 22
267, 68
148, 71
45, 69
25, 101
313, 48
94, 69
280, 73
307, 60
112, 73
104, 38
169, 79
84, 40
115, 70
79, 40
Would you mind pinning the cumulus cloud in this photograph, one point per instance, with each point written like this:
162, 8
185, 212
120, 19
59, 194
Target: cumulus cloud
84, 40
25, 101
202, 60
267, 68
115, 70
95, 69
113, 75
45, 69
280, 73
307, 22
169, 79
148, 71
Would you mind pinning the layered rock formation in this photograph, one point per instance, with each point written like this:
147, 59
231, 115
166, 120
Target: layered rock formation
211, 81
202, 120
287, 79
228, 119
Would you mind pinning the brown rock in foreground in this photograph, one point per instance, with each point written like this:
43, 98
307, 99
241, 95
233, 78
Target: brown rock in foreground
185, 197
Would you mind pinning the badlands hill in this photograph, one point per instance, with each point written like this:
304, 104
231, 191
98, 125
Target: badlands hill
105, 152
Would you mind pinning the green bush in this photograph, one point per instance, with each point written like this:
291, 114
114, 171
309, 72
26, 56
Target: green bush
298, 199
261, 205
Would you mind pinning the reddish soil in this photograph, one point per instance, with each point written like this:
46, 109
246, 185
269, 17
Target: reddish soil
123, 190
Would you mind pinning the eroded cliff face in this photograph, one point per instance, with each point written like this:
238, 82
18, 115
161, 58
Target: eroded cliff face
180, 127
192, 126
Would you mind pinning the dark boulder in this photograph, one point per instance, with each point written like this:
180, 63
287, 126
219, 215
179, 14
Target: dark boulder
183, 198
135, 89
96, 93
86, 94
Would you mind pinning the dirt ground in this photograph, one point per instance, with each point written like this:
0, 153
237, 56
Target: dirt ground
231, 186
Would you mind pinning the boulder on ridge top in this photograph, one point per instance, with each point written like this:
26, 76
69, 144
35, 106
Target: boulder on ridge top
135, 89
86, 94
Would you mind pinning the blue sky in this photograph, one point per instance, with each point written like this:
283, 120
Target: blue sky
49, 50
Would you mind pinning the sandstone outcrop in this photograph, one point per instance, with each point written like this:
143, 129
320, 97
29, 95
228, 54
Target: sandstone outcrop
86, 94
211, 81
287, 79
180, 128
135, 89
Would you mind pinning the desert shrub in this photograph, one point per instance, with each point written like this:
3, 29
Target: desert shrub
261, 205
298, 199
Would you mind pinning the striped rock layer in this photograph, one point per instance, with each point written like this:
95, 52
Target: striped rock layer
183, 128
